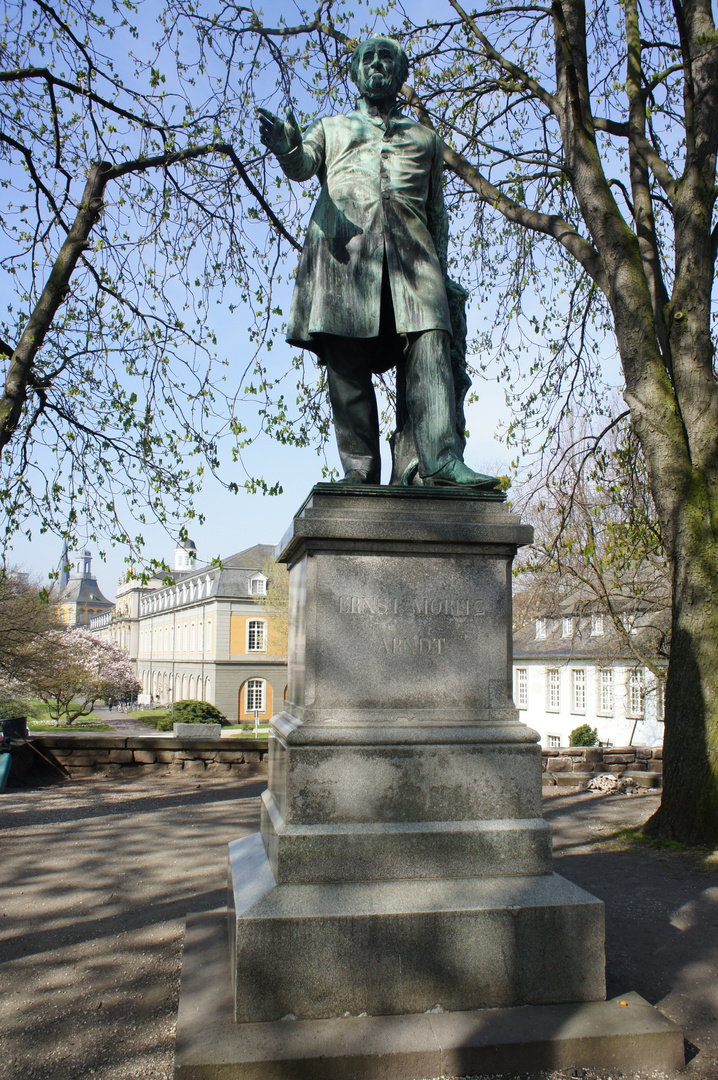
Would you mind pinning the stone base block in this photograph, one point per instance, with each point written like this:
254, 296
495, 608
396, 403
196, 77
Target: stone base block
386, 851
315, 951
197, 731
626, 1034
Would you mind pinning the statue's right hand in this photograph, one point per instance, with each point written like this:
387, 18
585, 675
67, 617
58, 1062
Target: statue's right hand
279, 136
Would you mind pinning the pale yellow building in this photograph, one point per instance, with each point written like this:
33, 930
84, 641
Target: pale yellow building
208, 638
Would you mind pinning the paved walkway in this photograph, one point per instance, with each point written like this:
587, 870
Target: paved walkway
97, 876
122, 724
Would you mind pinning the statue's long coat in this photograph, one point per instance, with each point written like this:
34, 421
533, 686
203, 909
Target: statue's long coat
381, 194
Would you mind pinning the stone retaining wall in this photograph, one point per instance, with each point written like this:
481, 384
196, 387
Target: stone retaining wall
576, 764
85, 755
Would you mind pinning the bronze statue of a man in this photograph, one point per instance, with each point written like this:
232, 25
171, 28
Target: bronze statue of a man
371, 286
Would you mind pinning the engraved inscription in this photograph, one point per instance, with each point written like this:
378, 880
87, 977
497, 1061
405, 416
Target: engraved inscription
363, 605
414, 646
423, 606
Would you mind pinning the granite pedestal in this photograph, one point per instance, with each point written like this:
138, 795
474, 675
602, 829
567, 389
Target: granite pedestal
403, 866
403, 862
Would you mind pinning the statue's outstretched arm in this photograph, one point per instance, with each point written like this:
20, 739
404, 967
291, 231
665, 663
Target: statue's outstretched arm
300, 158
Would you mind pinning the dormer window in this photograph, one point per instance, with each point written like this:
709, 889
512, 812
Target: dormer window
596, 625
540, 629
258, 585
567, 626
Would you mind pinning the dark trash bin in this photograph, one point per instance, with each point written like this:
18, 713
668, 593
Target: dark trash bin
15, 727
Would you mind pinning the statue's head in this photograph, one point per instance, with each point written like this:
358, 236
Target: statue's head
379, 67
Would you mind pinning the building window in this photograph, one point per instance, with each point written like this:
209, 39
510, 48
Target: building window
578, 678
192, 641
567, 626
605, 691
553, 687
258, 585
255, 695
200, 631
596, 625
660, 702
635, 693
209, 641
540, 629
256, 636
554, 741
185, 638
522, 688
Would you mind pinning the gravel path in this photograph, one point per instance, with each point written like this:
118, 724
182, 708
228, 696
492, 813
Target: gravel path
122, 724
97, 876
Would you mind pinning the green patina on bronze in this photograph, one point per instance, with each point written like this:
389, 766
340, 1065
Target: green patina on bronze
381, 195
373, 271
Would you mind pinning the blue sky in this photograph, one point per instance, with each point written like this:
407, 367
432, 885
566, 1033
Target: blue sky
237, 521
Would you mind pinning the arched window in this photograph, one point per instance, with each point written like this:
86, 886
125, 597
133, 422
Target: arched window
199, 688
185, 637
209, 639
184, 687
256, 635
178, 689
254, 699
200, 632
192, 639
190, 687
207, 689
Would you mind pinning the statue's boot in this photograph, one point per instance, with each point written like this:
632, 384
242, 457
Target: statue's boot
457, 474
430, 405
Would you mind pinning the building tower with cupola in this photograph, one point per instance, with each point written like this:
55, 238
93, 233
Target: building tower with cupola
81, 599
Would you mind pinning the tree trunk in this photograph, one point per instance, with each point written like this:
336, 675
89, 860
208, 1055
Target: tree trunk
689, 807
19, 375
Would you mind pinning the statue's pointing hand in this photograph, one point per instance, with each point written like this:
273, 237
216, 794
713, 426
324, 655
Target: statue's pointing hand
279, 136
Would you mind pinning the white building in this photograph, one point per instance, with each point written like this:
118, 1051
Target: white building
576, 669
207, 638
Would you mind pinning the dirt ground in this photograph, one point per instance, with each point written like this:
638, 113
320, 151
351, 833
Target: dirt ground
97, 876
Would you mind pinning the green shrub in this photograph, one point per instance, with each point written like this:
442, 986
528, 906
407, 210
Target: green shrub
197, 712
583, 736
163, 722
11, 707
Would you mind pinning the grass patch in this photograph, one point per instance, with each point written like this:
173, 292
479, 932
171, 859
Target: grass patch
246, 730
86, 724
635, 836
634, 839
